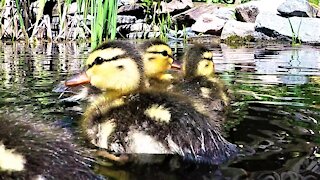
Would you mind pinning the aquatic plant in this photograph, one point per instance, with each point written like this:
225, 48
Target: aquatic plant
315, 3
41, 5
295, 35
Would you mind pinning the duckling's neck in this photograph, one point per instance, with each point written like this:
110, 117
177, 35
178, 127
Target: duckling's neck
112, 95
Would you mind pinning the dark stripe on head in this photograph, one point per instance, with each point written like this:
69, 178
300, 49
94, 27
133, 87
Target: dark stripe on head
100, 60
152, 42
164, 53
129, 48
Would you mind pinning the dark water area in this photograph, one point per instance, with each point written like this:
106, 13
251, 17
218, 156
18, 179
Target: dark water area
273, 119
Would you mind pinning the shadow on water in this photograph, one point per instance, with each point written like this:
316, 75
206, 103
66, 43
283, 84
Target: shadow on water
274, 117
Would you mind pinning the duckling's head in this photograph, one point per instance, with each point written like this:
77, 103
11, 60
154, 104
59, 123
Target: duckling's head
198, 62
157, 58
113, 66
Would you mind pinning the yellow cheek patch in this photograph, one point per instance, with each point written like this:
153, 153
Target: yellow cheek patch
108, 76
207, 55
10, 160
205, 68
158, 113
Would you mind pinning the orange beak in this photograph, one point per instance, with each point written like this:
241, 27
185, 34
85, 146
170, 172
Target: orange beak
78, 80
175, 66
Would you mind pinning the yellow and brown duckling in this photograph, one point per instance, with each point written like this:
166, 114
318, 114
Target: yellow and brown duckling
30, 149
157, 59
200, 83
129, 119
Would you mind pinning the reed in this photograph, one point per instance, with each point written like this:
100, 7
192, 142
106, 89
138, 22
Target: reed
21, 22
295, 35
104, 23
41, 5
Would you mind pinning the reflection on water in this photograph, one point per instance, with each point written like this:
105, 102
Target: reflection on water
274, 116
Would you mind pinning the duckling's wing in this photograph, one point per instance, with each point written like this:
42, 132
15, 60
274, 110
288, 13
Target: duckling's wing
192, 134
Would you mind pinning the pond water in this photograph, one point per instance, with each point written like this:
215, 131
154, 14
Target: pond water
274, 116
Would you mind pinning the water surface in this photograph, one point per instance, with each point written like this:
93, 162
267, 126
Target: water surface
274, 116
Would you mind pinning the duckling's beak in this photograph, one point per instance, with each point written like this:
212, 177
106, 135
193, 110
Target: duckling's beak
175, 66
78, 80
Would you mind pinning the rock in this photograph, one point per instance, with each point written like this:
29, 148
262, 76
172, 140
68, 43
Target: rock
176, 6
190, 16
225, 13
143, 35
208, 23
123, 19
126, 29
132, 9
300, 8
262, 5
186, 33
138, 27
307, 29
247, 13
236, 29
126, 2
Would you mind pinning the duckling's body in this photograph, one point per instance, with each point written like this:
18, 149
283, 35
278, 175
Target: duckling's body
153, 122
32, 150
130, 119
207, 92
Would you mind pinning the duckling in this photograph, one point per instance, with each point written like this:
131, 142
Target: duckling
130, 119
33, 150
199, 82
157, 59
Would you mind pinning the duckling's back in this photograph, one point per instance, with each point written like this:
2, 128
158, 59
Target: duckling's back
209, 96
155, 122
32, 150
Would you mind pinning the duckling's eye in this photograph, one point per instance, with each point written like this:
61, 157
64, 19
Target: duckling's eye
207, 65
120, 67
164, 53
98, 60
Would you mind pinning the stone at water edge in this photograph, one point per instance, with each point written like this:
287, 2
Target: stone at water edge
208, 23
299, 8
238, 29
307, 29
247, 13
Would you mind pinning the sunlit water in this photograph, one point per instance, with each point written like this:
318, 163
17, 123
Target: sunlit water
274, 117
